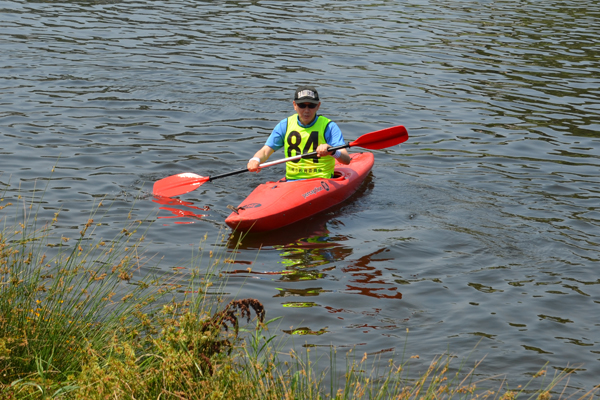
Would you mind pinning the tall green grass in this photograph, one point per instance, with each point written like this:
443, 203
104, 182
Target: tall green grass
84, 318
78, 319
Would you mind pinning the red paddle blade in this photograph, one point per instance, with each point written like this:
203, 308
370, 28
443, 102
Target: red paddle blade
377, 140
176, 185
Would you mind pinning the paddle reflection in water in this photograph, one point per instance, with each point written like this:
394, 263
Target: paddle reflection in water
178, 212
365, 276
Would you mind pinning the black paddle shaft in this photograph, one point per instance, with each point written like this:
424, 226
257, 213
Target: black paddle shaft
307, 155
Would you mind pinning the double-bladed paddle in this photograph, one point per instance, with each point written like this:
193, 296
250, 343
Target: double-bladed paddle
179, 184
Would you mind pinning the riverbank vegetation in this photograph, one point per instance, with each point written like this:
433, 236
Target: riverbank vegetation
79, 320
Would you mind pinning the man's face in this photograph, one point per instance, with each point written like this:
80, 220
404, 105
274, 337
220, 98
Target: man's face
306, 114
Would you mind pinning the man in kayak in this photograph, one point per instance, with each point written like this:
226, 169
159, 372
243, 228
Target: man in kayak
302, 133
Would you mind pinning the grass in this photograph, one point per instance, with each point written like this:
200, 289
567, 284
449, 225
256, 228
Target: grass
78, 320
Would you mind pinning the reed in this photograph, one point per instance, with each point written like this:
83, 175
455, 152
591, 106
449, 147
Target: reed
79, 320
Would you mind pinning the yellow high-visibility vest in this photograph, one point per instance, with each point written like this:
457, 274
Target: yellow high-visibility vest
300, 140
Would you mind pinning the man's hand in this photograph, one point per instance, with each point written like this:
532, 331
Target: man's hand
253, 165
343, 158
322, 150
261, 156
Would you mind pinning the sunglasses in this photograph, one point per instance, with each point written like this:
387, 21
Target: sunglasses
309, 105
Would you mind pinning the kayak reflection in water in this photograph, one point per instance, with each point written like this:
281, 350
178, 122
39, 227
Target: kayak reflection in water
302, 133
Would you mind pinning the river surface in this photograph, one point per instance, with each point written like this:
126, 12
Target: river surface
479, 235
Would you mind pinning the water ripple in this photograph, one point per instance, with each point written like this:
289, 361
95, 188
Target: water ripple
483, 227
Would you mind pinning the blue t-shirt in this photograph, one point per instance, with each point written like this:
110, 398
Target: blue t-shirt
333, 134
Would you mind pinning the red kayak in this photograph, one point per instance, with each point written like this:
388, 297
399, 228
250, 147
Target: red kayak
274, 205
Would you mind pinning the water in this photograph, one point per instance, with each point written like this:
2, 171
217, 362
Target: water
479, 235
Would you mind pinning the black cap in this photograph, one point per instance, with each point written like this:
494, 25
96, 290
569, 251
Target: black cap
306, 94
